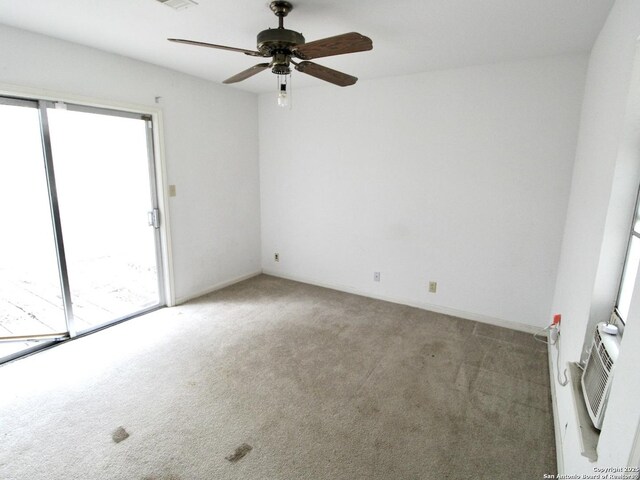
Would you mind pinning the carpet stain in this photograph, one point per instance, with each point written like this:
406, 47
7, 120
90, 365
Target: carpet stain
240, 453
119, 435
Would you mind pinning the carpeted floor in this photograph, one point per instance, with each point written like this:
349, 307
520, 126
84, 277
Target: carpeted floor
273, 379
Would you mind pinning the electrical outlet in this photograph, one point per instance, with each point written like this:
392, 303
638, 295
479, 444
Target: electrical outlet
376, 276
433, 286
276, 257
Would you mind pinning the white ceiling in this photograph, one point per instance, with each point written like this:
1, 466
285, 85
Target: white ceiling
409, 36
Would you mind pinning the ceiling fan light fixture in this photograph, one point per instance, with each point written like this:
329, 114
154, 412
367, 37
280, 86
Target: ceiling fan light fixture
280, 64
283, 91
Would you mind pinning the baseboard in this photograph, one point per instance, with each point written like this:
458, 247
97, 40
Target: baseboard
554, 404
217, 286
498, 322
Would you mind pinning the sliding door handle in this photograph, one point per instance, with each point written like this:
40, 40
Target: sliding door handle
153, 217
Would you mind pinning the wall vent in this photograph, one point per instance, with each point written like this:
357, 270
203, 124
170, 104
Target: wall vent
598, 373
178, 4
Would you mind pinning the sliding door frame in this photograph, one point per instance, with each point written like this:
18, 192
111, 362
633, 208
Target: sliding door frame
54, 211
34, 98
152, 178
55, 218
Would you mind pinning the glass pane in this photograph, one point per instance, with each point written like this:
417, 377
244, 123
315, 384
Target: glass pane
629, 278
31, 302
102, 176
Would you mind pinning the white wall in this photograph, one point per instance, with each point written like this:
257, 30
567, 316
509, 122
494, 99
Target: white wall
210, 139
591, 220
604, 185
460, 177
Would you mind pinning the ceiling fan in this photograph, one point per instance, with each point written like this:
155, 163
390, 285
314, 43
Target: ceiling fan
282, 45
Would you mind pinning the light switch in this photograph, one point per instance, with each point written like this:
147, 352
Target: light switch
172, 190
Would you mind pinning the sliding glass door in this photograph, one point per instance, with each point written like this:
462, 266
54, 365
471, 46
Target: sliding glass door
103, 172
31, 305
81, 247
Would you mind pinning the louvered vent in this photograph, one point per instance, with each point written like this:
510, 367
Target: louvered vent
178, 4
597, 375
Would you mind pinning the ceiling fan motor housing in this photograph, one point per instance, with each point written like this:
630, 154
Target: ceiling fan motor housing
277, 43
276, 40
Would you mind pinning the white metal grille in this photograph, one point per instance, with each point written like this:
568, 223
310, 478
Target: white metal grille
178, 4
596, 379
607, 363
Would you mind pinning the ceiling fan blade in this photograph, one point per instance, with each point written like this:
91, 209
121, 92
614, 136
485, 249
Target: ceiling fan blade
338, 45
249, 72
326, 74
212, 45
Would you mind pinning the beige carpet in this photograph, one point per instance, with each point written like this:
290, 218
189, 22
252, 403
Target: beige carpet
272, 379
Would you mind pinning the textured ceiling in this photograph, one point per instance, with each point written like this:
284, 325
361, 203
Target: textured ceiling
409, 36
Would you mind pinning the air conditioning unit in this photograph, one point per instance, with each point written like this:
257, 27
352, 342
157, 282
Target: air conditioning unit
598, 372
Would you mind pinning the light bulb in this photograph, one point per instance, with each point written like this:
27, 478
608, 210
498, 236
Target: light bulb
283, 98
